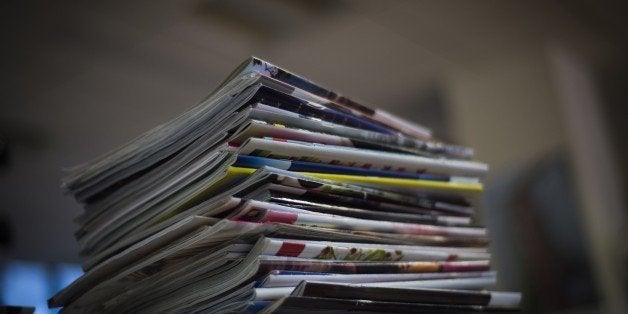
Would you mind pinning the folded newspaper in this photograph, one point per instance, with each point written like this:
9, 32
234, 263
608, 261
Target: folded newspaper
274, 194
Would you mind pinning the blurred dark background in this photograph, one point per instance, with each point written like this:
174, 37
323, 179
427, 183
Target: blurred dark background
538, 88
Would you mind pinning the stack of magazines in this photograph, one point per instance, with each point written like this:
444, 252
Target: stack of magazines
277, 195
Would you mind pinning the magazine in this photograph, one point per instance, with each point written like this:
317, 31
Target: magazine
338, 155
287, 118
295, 83
490, 299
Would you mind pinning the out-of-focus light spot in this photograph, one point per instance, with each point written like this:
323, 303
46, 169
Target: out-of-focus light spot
24, 283
66, 274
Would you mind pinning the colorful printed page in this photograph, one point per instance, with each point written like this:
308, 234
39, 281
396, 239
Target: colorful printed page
312, 167
276, 192
369, 159
279, 99
269, 263
266, 212
361, 252
290, 278
469, 283
328, 234
260, 128
302, 85
287, 118
369, 214
312, 184
400, 183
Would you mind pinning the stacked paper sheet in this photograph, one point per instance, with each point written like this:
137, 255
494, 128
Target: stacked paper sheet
274, 194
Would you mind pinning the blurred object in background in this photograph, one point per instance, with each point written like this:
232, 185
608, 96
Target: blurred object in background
598, 178
30, 284
544, 243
